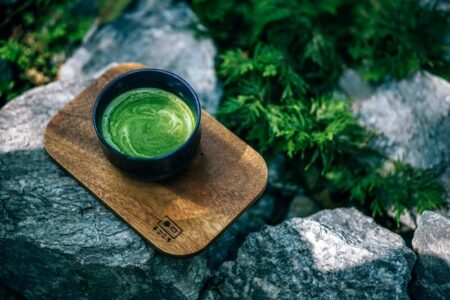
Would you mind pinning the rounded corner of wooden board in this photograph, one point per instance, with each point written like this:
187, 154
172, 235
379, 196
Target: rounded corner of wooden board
47, 137
264, 169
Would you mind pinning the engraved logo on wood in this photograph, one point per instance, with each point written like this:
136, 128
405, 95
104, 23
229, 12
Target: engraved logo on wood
167, 229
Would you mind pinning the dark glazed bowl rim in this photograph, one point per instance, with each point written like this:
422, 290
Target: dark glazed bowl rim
146, 70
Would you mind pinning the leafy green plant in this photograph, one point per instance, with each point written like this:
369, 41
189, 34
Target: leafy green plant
35, 37
280, 63
399, 37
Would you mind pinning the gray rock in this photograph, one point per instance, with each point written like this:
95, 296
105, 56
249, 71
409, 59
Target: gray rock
23, 120
227, 245
159, 34
302, 206
432, 244
354, 86
408, 219
55, 238
334, 254
414, 117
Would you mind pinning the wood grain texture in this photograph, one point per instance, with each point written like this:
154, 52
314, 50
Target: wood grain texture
179, 216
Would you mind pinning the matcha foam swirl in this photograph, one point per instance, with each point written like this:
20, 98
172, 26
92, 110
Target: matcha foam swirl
147, 122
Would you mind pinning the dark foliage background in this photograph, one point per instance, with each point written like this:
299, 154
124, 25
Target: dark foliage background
36, 37
281, 60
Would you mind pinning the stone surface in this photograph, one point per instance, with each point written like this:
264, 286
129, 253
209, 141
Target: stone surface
408, 219
57, 240
432, 243
354, 85
334, 254
227, 245
23, 120
413, 115
302, 206
160, 34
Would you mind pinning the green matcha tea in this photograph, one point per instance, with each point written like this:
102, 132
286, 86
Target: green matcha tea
147, 122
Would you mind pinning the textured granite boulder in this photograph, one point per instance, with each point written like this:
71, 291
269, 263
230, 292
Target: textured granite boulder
432, 243
354, 85
23, 120
412, 114
160, 34
55, 238
334, 254
226, 247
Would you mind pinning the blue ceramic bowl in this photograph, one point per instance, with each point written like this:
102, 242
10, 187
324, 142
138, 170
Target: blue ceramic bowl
170, 163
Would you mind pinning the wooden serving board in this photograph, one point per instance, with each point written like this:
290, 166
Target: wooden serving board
179, 216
